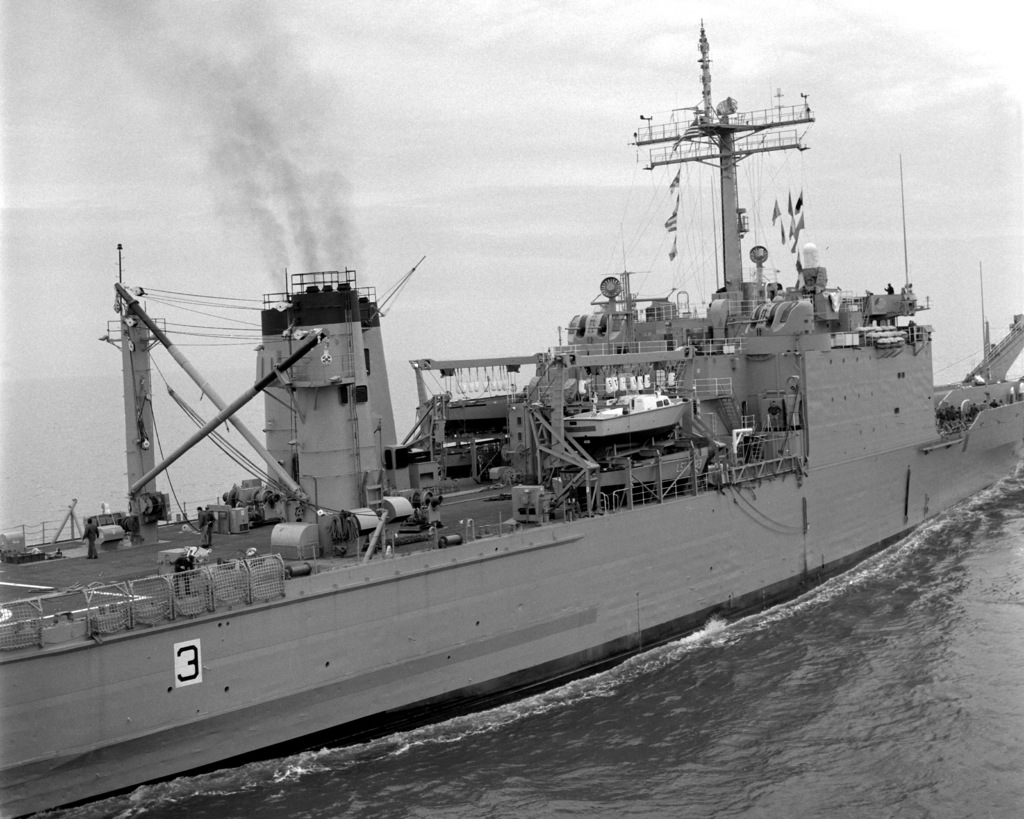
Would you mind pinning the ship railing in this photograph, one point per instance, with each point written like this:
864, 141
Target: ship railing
114, 330
321, 280
684, 118
744, 307
660, 490
641, 492
479, 531
719, 346
29, 535
617, 348
104, 609
757, 470
706, 149
669, 310
850, 301
774, 115
706, 388
738, 306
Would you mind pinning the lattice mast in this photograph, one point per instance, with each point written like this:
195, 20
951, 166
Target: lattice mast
719, 132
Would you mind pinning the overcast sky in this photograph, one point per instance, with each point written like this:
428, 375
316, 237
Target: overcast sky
222, 142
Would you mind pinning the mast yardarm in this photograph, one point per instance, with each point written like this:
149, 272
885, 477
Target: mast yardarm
706, 133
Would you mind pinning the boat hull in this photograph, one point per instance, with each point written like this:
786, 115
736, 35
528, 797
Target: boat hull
632, 428
477, 416
384, 642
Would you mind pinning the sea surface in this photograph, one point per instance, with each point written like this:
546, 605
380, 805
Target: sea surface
895, 690
62, 441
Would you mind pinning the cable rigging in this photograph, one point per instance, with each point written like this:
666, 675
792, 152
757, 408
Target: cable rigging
229, 449
202, 296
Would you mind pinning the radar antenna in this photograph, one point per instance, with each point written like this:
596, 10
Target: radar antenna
720, 133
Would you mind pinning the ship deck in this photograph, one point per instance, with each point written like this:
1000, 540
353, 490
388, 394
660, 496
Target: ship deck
120, 561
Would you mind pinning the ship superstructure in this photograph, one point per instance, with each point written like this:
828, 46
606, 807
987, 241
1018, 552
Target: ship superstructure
329, 420
801, 437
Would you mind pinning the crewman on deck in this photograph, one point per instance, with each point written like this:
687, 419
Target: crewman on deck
91, 533
184, 563
205, 529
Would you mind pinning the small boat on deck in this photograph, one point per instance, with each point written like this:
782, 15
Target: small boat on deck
628, 419
472, 416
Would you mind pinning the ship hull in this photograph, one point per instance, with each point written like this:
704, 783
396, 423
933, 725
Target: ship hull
393, 641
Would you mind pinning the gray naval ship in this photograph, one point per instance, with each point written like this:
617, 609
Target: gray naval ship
659, 468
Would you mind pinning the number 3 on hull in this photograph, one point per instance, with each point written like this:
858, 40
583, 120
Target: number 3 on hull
188, 663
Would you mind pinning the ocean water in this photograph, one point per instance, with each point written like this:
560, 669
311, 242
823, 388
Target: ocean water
896, 690
65, 440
